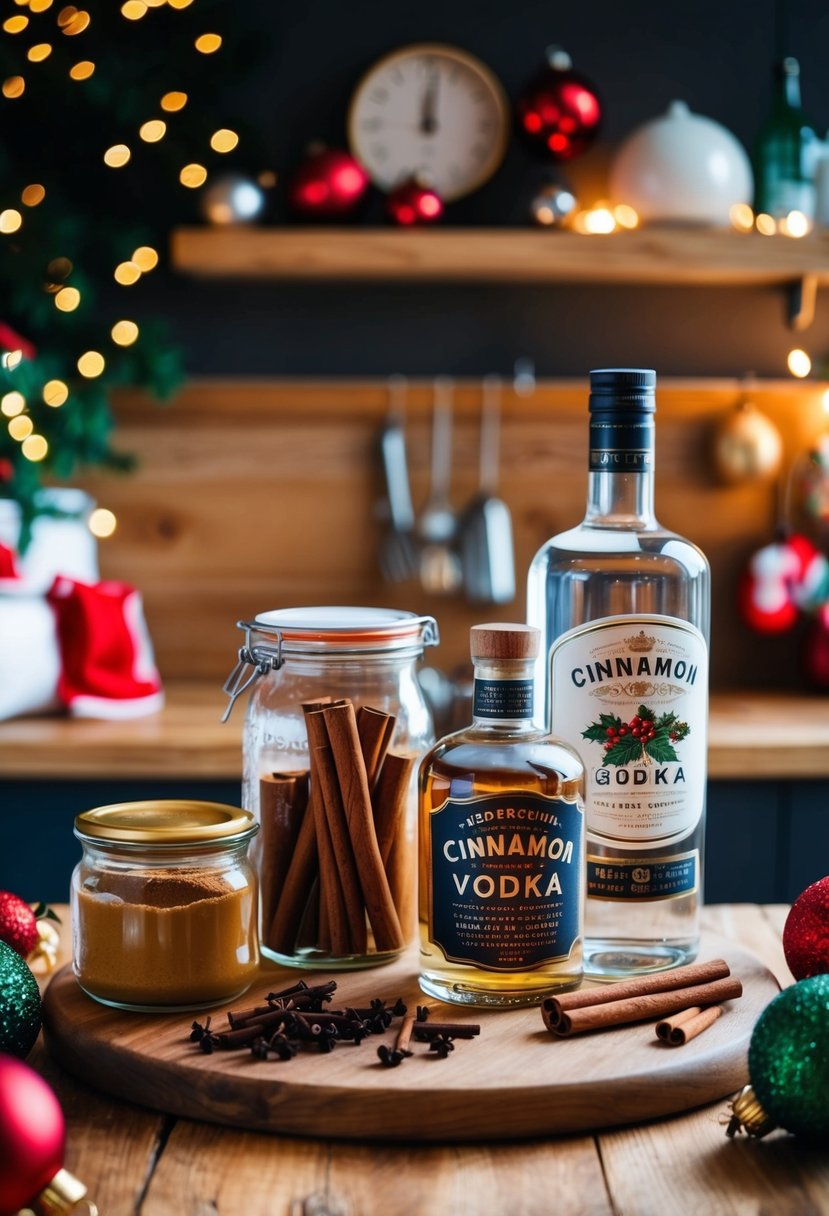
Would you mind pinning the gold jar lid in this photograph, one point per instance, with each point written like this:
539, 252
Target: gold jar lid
165, 821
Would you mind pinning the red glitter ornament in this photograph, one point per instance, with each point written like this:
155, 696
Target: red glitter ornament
18, 923
414, 202
32, 1135
560, 113
806, 932
329, 183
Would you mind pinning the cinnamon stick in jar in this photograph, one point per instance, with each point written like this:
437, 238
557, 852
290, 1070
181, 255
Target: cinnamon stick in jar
389, 804
375, 728
296, 890
283, 799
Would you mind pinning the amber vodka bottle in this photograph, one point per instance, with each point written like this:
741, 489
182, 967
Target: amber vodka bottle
623, 606
501, 881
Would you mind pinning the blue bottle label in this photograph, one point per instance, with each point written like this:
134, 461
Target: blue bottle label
502, 699
506, 887
641, 878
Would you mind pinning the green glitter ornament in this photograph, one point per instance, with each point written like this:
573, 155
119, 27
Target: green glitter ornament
19, 1004
788, 1062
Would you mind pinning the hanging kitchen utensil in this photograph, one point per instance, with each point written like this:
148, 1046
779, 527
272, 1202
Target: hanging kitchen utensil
398, 555
486, 547
440, 567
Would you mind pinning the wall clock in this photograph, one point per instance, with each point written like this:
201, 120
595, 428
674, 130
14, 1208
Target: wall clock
430, 110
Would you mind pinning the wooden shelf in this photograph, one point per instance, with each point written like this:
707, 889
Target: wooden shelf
768, 736
651, 256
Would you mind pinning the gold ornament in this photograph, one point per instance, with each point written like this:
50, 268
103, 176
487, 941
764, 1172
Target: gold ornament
747, 446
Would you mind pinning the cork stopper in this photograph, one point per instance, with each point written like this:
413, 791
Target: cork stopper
500, 640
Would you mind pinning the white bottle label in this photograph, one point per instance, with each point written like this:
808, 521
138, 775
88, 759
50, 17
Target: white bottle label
630, 694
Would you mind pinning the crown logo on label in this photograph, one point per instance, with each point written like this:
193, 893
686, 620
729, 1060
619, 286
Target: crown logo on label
640, 643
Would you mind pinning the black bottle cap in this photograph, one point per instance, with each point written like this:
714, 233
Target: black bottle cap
623, 388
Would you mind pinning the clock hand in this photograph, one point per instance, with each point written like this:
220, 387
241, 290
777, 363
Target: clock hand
428, 113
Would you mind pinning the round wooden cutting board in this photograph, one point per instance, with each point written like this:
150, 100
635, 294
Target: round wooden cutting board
514, 1080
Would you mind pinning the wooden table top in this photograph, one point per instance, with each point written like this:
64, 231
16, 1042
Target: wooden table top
134, 1160
751, 735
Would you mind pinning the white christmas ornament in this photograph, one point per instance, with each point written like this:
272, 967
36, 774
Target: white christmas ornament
682, 167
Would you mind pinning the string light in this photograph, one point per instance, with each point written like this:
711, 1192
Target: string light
765, 224
10, 221
91, 364
193, 176
82, 70
799, 363
40, 6
173, 101
626, 216
32, 195
133, 10
145, 258
77, 25
207, 44
55, 393
12, 404
67, 15
39, 52
21, 427
15, 25
224, 140
34, 448
67, 299
741, 217
598, 220
12, 359
14, 86
179, 3
124, 333
102, 523
154, 130
795, 224
117, 156
127, 273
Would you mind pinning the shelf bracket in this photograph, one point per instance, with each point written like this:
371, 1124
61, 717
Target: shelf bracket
802, 294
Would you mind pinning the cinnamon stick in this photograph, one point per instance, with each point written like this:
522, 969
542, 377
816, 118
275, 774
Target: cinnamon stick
679, 1029
375, 728
661, 981
293, 899
340, 883
341, 724
283, 798
390, 799
649, 1005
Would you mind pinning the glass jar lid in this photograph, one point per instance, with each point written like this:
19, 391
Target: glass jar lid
336, 627
166, 822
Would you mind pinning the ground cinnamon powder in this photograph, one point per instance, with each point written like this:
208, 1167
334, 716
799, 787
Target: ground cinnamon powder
165, 938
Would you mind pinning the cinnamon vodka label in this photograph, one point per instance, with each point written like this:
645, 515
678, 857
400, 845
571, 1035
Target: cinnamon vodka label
630, 694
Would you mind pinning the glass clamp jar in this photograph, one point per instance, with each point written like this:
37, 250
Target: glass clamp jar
336, 724
164, 905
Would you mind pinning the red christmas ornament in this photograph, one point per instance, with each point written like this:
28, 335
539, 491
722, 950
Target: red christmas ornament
560, 113
412, 203
18, 923
329, 183
10, 340
32, 1135
806, 932
6, 469
814, 651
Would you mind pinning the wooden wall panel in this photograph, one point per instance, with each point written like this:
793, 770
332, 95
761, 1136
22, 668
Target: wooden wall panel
256, 495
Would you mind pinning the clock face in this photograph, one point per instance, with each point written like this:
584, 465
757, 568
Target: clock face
429, 110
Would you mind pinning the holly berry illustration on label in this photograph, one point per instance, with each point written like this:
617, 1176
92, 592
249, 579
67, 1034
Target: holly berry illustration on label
644, 739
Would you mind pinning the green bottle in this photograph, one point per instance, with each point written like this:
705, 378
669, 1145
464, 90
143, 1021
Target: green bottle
783, 177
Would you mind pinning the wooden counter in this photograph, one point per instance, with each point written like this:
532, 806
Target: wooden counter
132, 1159
752, 735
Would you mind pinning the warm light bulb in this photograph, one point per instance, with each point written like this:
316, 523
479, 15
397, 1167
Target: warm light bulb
10, 221
39, 52
193, 176
765, 224
173, 101
127, 273
799, 363
133, 10
55, 393
67, 14
11, 359
40, 6
741, 217
102, 522
91, 364
15, 25
67, 299
117, 156
32, 195
145, 257
78, 24
20, 428
34, 448
626, 216
224, 140
14, 86
208, 43
154, 130
599, 221
795, 224
82, 70
826, 401
124, 333
12, 404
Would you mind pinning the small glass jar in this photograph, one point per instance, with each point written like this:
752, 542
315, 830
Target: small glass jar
164, 905
336, 855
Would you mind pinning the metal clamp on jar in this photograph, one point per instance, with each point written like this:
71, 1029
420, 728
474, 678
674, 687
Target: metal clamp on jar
336, 723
